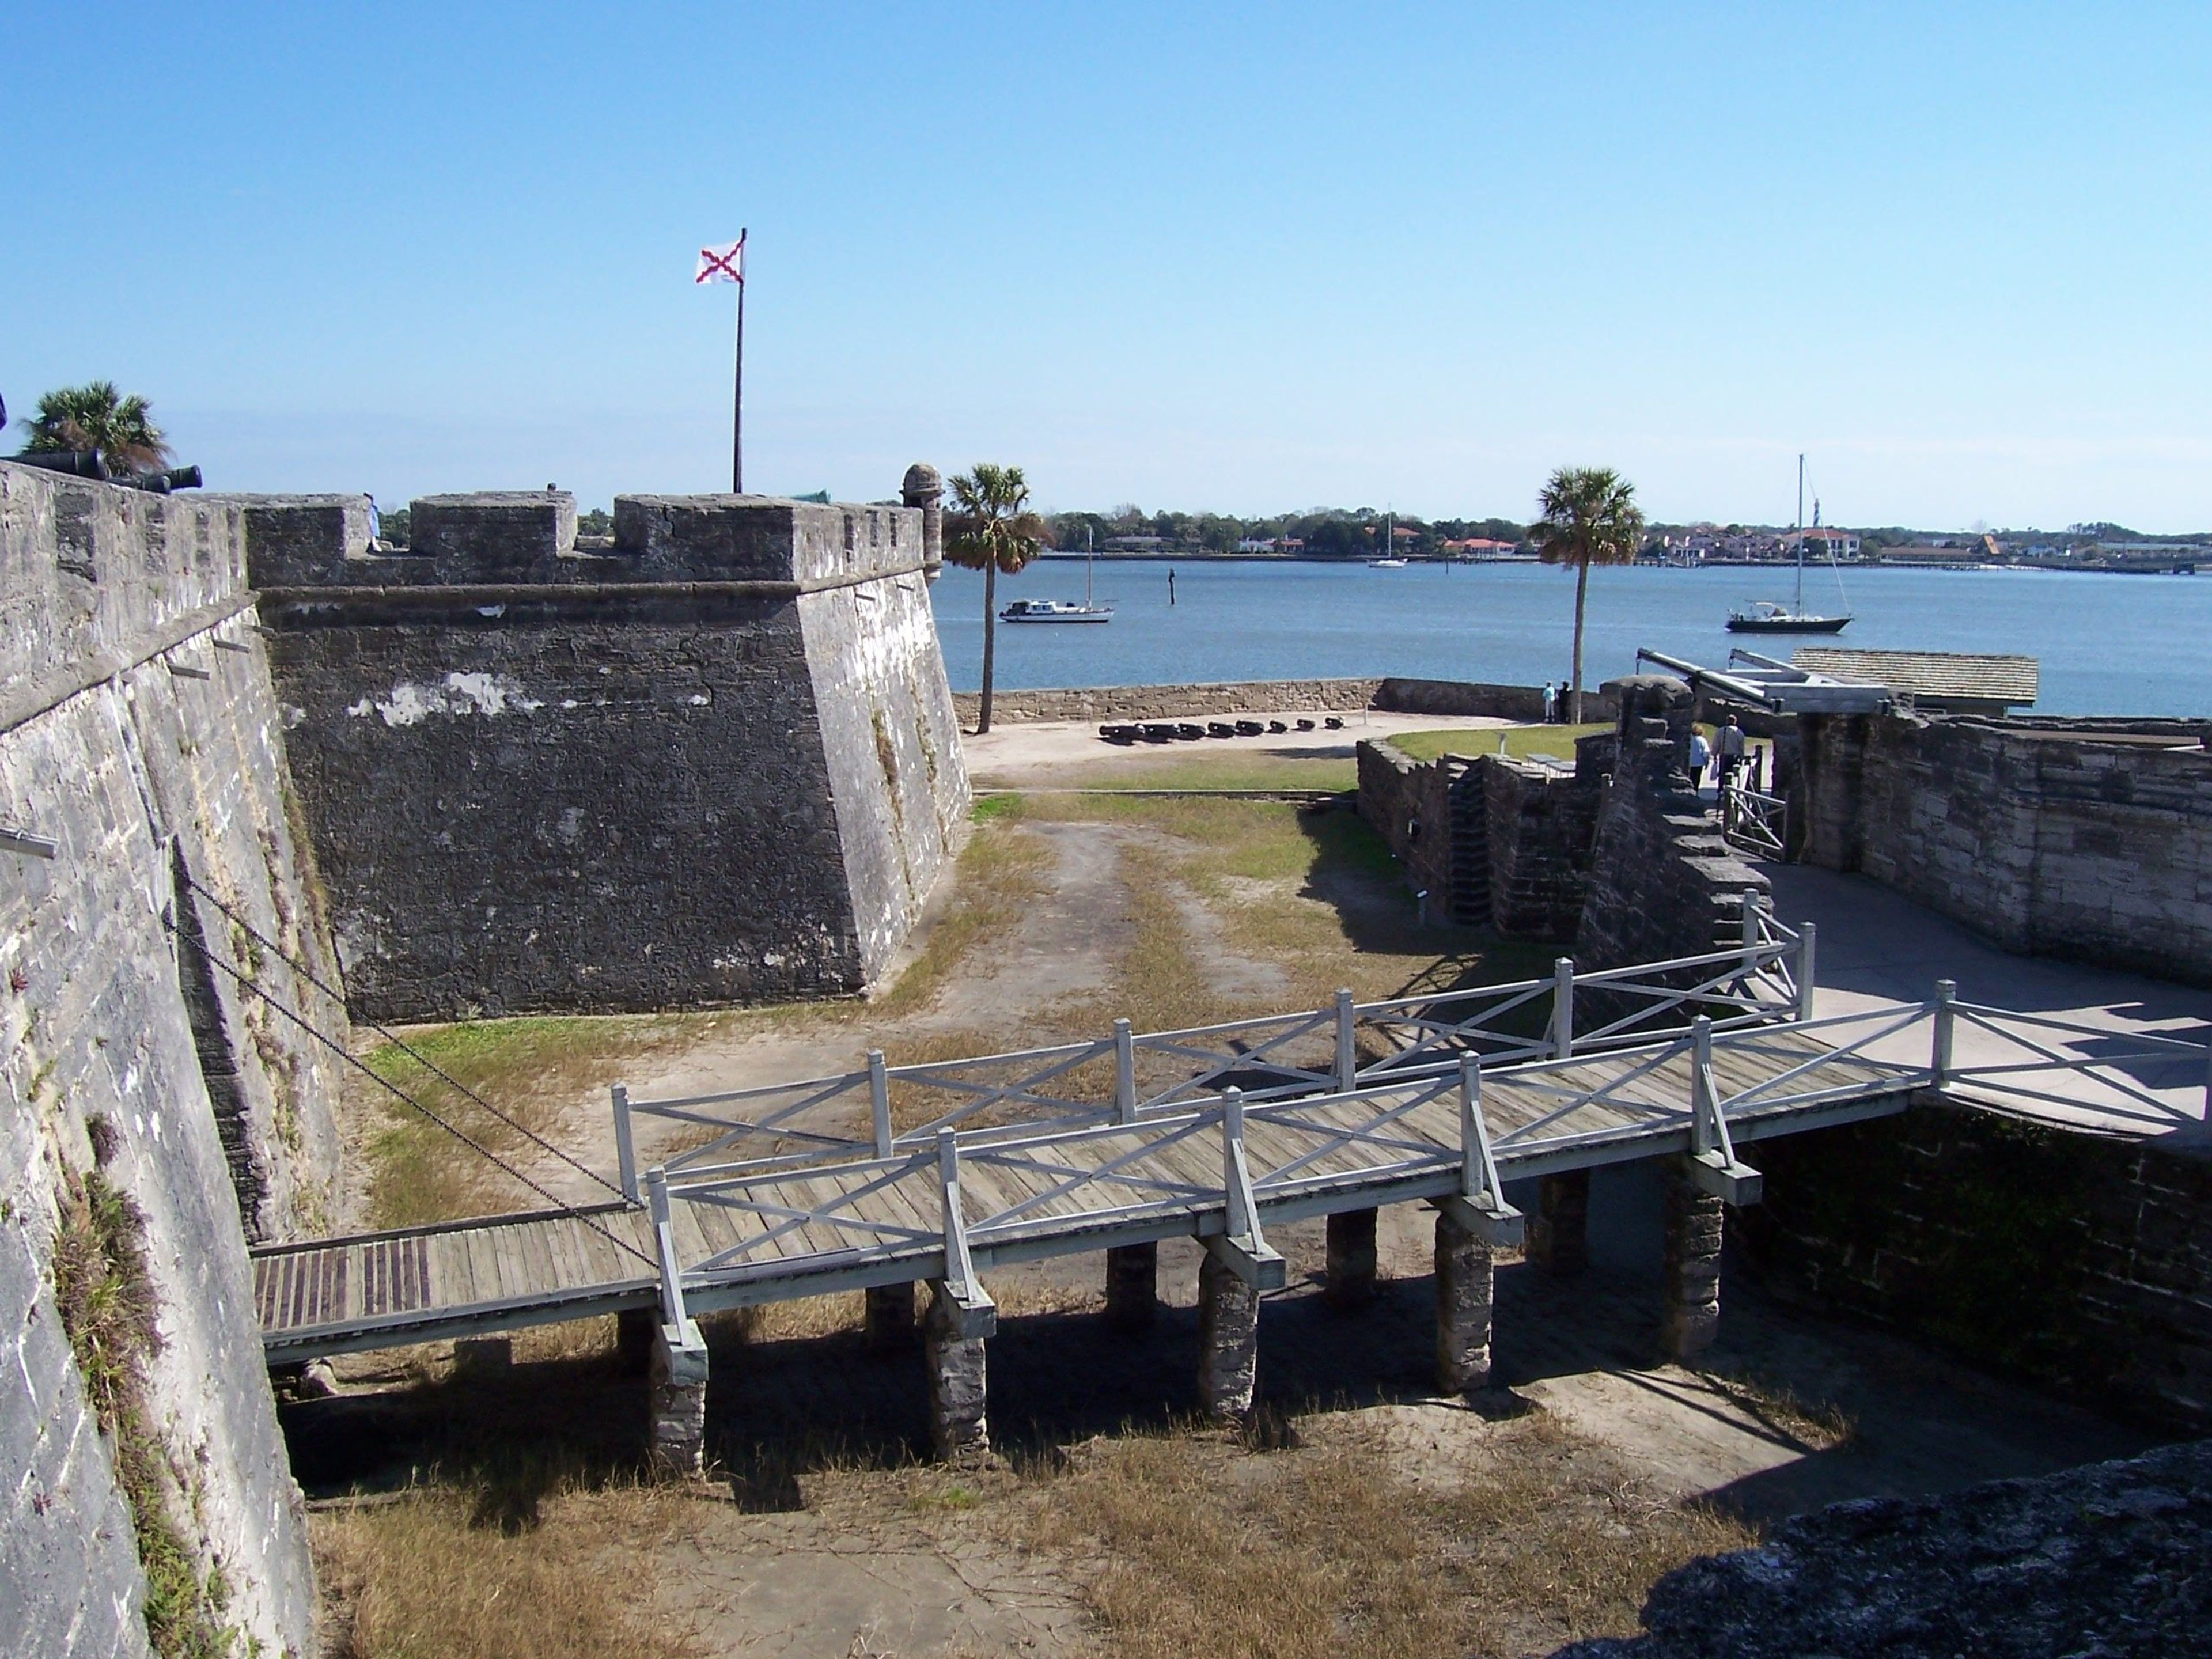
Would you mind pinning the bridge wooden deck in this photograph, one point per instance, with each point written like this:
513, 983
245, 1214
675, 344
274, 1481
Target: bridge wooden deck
746, 1233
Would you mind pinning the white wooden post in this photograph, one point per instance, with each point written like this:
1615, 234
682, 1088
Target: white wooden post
1807, 936
671, 1271
1347, 1051
1752, 906
1232, 1158
1563, 1008
1125, 1073
1702, 1111
2207, 1083
1480, 1206
959, 1266
1939, 1066
1243, 1249
625, 1148
879, 1101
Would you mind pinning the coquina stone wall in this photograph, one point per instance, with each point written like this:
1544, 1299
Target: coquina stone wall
1531, 860
154, 1114
2094, 845
2079, 1259
1663, 883
1542, 825
1408, 803
717, 763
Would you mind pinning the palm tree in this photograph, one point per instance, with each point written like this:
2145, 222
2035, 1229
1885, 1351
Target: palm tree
990, 528
97, 417
1586, 515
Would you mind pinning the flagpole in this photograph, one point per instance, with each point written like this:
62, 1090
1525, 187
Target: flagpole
737, 393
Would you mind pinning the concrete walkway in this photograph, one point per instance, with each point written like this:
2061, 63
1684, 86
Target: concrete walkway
1879, 950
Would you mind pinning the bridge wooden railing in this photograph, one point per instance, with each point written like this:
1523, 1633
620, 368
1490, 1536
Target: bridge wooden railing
1339, 1047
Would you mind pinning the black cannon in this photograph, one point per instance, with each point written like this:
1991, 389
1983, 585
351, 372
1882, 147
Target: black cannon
161, 484
76, 463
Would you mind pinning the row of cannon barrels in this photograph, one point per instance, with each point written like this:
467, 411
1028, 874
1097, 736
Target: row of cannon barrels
1190, 731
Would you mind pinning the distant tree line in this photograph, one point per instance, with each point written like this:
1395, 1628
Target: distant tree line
1322, 533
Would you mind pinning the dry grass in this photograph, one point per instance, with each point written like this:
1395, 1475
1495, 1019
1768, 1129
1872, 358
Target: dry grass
1815, 1425
1200, 1547
434, 1576
999, 870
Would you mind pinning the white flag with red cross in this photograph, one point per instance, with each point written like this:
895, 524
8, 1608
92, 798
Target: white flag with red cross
725, 263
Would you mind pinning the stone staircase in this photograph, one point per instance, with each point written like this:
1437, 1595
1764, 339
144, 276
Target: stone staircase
1470, 844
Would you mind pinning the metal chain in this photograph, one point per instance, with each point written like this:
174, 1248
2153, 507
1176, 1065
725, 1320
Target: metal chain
382, 1082
405, 1048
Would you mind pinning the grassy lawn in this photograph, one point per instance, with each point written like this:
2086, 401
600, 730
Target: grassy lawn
1520, 741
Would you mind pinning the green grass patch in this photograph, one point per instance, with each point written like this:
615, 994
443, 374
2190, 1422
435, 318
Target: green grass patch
531, 1069
1521, 742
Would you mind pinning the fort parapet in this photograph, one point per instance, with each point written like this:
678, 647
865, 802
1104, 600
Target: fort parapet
716, 763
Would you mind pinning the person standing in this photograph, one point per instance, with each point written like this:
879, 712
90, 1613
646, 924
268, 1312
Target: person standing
1170, 586
1731, 748
1701, 753
1550, 704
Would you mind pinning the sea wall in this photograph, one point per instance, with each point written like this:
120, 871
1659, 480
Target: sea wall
2079, 1259
717, 763
1477, 700
152, 1109
2093, 845
1087, 703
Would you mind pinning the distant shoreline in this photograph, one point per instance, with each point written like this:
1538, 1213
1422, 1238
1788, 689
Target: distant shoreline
1414, 562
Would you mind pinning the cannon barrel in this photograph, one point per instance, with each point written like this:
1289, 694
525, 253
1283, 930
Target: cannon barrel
78, 463
161, 484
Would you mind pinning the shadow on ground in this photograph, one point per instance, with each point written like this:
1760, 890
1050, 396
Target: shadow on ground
1735, 1430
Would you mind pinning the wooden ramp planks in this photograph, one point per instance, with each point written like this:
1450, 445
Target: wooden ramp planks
790, 1230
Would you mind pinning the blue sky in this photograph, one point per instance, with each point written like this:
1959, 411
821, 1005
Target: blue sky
1247, 260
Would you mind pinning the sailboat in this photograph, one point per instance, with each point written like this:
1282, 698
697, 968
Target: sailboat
1062, 611
1768, 616
1389, 559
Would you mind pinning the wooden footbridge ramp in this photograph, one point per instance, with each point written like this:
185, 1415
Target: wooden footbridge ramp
1474, 1089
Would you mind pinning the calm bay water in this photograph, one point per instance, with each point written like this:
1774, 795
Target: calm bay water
2108, 644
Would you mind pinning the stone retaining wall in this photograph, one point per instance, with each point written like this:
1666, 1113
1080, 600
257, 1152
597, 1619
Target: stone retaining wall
2079, 1259
1663, 883
719, 763
1408, 803
139, 733
1542, 823
2082, 845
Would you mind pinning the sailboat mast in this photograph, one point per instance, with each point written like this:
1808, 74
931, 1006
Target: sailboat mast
1087, 556
1801, 535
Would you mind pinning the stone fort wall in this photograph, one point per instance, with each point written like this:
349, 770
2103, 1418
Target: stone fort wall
2091, 844
139, 742
718, 763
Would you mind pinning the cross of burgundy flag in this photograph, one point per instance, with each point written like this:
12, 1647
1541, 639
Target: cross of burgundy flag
725, 263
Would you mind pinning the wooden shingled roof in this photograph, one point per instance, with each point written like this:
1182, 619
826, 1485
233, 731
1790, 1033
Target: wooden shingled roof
1938, 676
